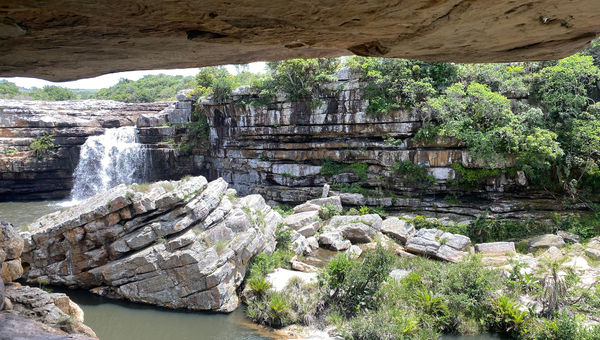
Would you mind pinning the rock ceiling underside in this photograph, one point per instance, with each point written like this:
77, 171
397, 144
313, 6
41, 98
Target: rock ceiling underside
64, 40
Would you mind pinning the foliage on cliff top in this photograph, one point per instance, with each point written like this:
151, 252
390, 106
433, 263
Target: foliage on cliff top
150, 88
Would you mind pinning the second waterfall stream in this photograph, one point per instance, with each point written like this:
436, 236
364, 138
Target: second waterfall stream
113, 158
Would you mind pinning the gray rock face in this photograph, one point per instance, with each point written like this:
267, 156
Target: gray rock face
51, 309
495, 248
568, 237
11, 247
398, 229
439, 244
546, 241
70, 123
16, 327
179, 244
333, 239
301, 219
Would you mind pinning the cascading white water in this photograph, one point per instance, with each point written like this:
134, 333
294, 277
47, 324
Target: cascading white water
108, 160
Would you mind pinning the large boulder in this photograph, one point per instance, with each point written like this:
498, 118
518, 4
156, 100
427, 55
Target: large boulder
333, 240
14, 326
11, 247
496, 248
398, 229
439, 244
180, 244
52, 309
299, 220
546, 241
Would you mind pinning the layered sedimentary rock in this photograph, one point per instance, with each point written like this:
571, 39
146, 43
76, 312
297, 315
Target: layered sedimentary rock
11, 247
55, 310
279, 150
180, 244
25, 176
61, 40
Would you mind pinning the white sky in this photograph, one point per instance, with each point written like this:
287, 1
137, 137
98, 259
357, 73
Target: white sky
110, 79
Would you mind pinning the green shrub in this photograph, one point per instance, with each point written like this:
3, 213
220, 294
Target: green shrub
329, 210
331, 168
354, 284
412, 172
283, 237
508, 316
484, 229
259, 286
43, 146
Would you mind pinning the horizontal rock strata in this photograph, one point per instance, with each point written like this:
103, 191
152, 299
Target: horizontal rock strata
24, 176
179, 244
63, 40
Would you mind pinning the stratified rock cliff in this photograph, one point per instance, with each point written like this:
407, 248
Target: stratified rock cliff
180, 244
281, 151
24, 176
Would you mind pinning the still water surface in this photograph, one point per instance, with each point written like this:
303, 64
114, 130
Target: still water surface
117, 320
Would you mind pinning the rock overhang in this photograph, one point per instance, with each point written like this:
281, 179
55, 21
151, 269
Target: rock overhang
65, 40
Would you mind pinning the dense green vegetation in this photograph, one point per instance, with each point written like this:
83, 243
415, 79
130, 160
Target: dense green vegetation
150, 88
43, 146
361, 301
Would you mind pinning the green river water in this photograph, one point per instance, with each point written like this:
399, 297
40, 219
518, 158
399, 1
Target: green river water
117, 320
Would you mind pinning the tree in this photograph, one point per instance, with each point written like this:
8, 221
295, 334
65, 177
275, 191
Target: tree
51, 92
8, 89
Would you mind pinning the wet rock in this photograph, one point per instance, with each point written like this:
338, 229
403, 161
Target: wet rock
546, 241
398, 229
179, 244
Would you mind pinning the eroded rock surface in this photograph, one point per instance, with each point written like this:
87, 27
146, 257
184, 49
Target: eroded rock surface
179, 244
439, 244
16, 327
63, 40
24, 176
11, 247
51, 309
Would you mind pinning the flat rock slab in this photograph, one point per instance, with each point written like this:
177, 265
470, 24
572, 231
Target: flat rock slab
398, 229
546, 241
496, 248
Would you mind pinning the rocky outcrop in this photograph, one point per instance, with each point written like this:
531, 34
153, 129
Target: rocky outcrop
11, 247
279, 151
24, 176
72, 39
179, 244
439, 244
51, 309
16, 327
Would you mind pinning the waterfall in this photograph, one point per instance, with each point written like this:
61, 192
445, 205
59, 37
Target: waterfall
108, 160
